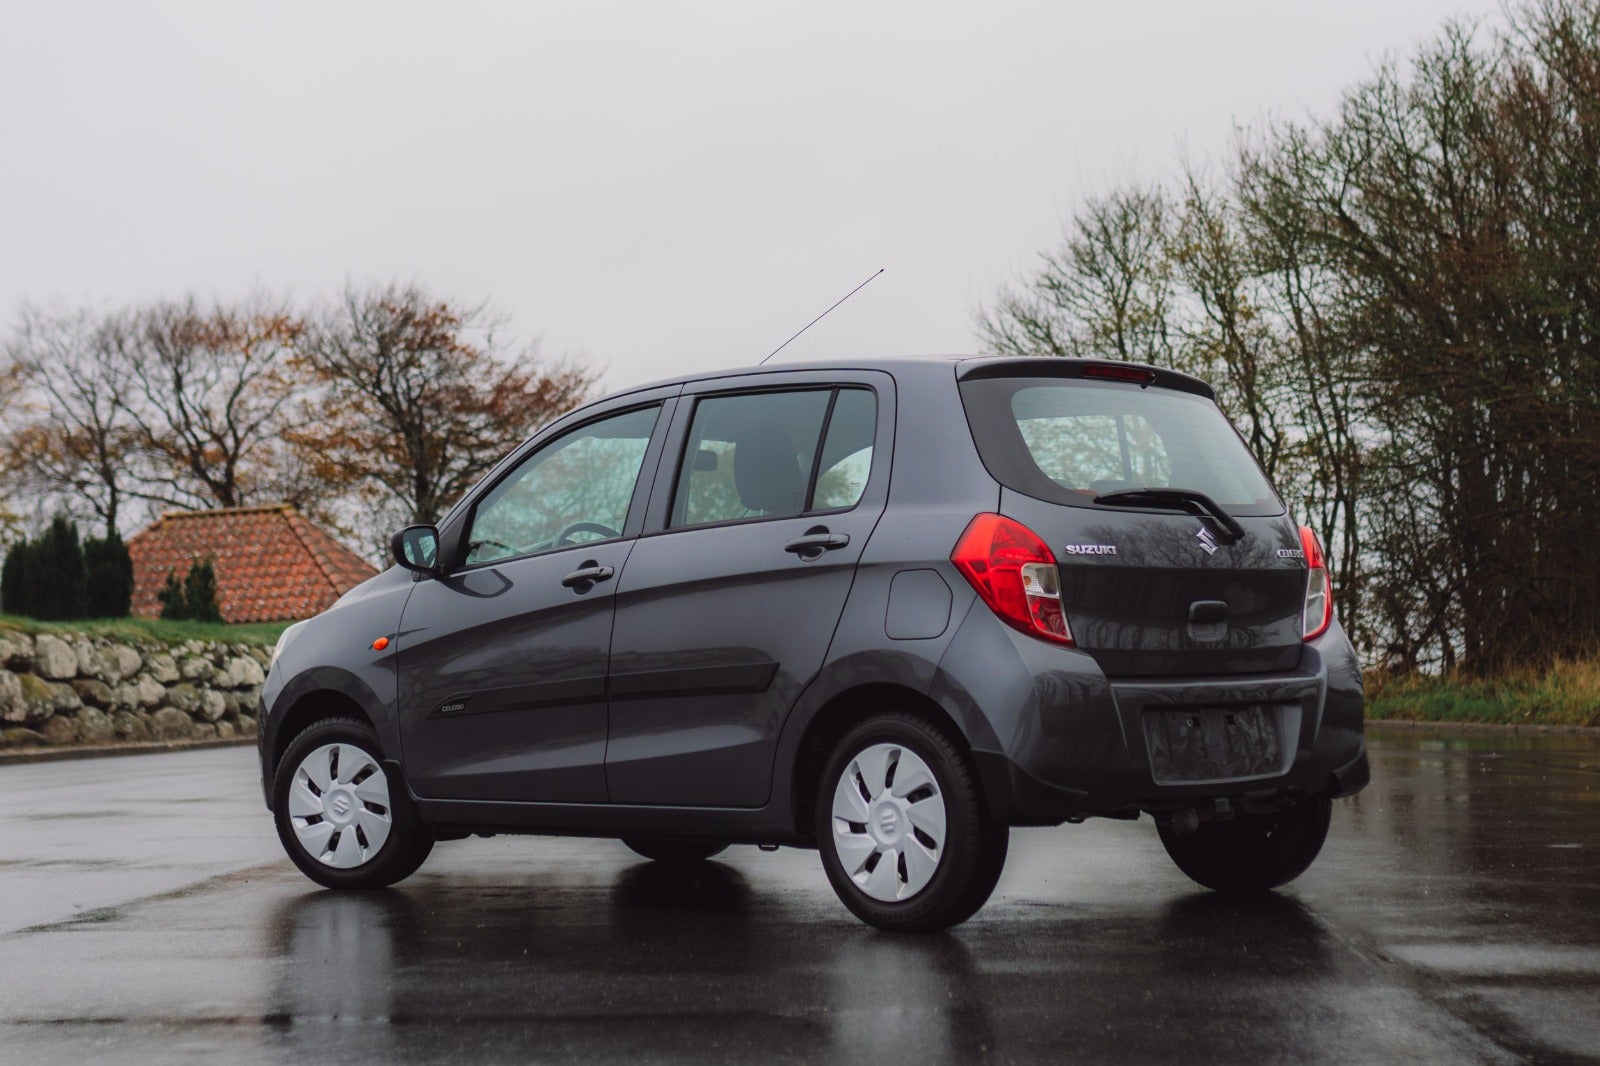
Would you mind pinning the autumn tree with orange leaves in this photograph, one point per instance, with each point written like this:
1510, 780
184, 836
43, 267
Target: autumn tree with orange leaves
212, 390
175, 405
415, 398
68, 426
366, 413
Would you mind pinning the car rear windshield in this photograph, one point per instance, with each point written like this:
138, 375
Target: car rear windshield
1068, 441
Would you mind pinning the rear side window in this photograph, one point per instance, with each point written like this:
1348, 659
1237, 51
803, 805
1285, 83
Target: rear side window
1068, 441
847, 453
775, 454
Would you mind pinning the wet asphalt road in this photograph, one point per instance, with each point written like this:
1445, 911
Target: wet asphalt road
147, 915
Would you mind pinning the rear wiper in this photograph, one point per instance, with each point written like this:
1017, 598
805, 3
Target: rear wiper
1187, 500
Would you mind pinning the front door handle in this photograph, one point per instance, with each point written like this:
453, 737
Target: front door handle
815, 541
587, 576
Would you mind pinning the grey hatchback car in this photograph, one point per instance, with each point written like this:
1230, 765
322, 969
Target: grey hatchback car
887, 610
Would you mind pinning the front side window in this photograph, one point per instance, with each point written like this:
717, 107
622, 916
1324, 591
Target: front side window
775, 454
574, 490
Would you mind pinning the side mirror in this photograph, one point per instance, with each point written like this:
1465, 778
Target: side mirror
417, 548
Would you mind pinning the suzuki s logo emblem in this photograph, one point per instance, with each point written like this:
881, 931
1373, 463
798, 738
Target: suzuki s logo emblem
888, 821
1207, 544
341, 806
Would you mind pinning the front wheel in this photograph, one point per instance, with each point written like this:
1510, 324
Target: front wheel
905, 839
1252, 853
340, 816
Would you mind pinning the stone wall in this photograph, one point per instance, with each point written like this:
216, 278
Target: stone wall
74, 689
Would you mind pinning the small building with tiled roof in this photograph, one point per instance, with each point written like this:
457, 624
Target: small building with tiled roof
271, 563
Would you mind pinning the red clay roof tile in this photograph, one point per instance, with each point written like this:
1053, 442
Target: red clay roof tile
271, 563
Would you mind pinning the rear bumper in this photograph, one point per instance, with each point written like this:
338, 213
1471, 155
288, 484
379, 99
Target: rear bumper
1068, 742
1016, 797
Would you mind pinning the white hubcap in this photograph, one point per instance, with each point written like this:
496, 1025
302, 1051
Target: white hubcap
888, 822
339, 806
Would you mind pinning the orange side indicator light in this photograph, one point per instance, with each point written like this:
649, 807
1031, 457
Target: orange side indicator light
380, 644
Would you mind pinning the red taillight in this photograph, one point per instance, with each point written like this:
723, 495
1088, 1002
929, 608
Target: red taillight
1319, 587
1015, 574
1120, 372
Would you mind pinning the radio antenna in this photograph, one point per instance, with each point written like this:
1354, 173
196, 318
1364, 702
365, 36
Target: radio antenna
820, 317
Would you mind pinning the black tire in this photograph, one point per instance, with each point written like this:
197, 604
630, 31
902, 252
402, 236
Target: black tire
973, 852
1252, 853
674, 851
409, 841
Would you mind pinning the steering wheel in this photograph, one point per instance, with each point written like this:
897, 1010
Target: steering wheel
586, 527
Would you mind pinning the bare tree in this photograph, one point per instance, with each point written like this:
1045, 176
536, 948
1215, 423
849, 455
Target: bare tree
211, 389
71, 439
418, 398
1227, 335
1398, 303
1305, 296
1105, 293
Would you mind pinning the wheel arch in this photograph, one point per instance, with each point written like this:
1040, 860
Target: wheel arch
313, 696
835, 716
309, 709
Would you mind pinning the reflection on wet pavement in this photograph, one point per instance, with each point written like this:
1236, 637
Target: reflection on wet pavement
1455, 916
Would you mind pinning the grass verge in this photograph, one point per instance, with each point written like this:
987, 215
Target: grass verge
1566, 694
153, 630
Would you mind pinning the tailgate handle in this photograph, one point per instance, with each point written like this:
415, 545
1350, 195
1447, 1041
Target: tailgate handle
1208, 612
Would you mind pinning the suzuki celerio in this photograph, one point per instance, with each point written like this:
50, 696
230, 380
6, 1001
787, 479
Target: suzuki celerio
886, 610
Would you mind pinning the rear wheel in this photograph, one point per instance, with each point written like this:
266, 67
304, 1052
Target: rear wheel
1252, 853
674, 851
341, 817
902, 829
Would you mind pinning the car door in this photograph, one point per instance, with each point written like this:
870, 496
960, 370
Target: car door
727, 604
503, 659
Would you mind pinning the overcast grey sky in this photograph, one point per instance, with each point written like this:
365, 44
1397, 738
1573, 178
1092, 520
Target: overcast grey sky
662, 187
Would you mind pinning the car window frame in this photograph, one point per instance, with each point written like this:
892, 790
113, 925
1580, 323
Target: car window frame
462, 517
874, 494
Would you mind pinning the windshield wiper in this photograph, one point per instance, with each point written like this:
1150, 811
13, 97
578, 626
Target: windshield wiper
1187, 500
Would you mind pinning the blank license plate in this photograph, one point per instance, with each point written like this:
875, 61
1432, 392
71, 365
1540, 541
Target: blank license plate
1210, 744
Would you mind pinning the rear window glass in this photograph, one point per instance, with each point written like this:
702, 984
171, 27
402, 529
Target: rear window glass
1068, 441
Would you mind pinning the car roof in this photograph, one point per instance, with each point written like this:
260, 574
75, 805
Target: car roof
911, 364
888, 364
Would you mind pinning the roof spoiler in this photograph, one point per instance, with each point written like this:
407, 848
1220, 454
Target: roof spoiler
1140, 374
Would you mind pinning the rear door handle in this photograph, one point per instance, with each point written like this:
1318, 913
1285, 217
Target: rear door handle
587, 576
816, 541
